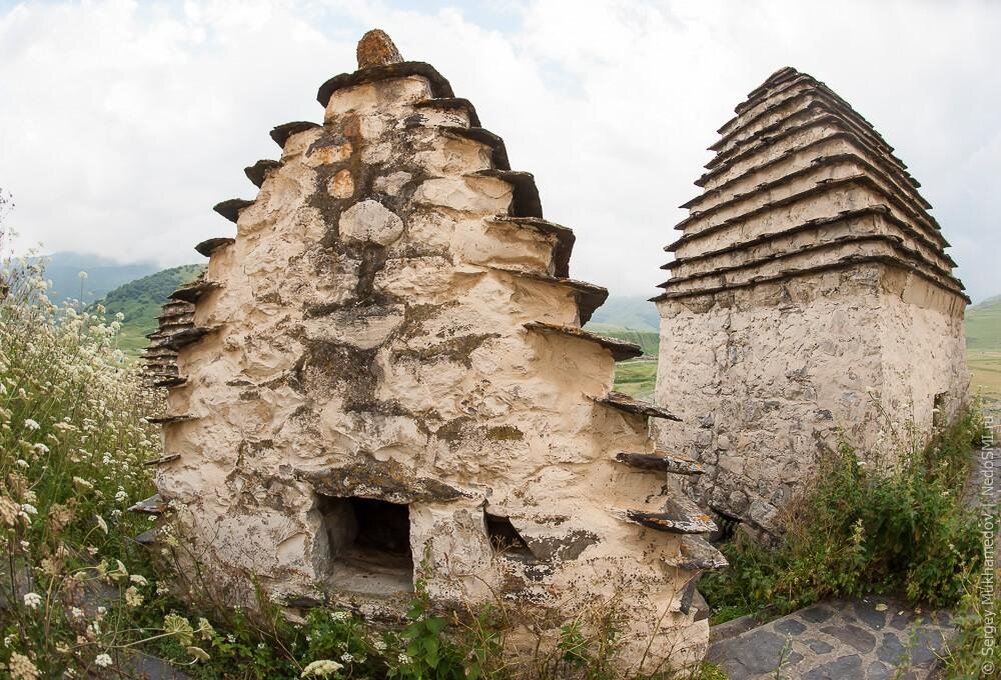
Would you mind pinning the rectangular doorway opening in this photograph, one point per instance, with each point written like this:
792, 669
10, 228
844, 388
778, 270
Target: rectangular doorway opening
368, 543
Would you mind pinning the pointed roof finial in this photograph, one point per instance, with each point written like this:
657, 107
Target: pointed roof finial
377, 49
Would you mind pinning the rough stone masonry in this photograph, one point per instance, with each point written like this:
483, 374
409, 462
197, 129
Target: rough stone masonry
810, 298
383, 377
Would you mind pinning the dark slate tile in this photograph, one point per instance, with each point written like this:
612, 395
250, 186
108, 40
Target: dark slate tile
818, 613
850, 634
843, 668
818, 646
788, 626
890, 649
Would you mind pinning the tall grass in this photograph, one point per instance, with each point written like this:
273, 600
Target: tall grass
859, 530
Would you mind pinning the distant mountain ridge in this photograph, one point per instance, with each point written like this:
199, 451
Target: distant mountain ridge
635, 312
103, 275
983, 325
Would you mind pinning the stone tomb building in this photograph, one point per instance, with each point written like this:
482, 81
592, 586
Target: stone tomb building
810, 292
383, 377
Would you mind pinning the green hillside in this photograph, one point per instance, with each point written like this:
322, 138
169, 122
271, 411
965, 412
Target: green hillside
983, 345
140, 300
648, 340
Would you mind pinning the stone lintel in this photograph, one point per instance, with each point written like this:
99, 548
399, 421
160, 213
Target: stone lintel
661, 462
619, 349
623, 402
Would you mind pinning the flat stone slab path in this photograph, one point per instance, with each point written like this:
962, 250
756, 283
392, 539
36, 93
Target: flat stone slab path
868, 639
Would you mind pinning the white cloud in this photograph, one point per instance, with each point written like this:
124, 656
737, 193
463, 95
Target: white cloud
123, 123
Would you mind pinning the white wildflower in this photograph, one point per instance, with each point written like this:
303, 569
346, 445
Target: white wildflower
103, 660
40, 448
31, 424
321, 669
138, 579
32, 600
133, 597
101, 524
29, 509
21, 668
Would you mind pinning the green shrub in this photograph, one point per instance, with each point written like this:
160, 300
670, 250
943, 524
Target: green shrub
858, 531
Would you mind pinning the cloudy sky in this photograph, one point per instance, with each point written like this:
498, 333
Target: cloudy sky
122, 123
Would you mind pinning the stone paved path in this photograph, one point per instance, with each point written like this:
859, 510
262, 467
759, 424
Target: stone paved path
868, 639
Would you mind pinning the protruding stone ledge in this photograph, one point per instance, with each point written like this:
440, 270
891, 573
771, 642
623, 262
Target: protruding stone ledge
620, 349
210, 245
163, 460
661, 462
696, 554
923, 221
440, 87
194, 292
675, 520
589, 296
170, 420
188, 336
147, 539
623, 402
154, 505
526, 201
259, 171
915, 207
817, 224
281, 133
942, 276
483, 136
452, 103
230, 208
564, 239
384, 480
845, 263
718, 166
171, 382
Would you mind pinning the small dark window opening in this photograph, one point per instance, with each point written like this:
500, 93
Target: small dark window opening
726, 526
504, 538
939, 418
368, 544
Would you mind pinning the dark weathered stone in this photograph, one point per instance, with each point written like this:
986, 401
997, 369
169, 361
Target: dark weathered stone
890, 650
843, 668
169, 420
154, 505
818, 646
624, 402
878, 671
867, 613
678, 517
230, 208
661, 462
818, 613
852, 635
209, 246
749, 654
789, 627
377, 49
194, 292
281, 133
383, 480
258, 172
163, 460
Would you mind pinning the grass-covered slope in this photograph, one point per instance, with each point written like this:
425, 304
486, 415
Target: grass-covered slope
983, 346
139, 302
